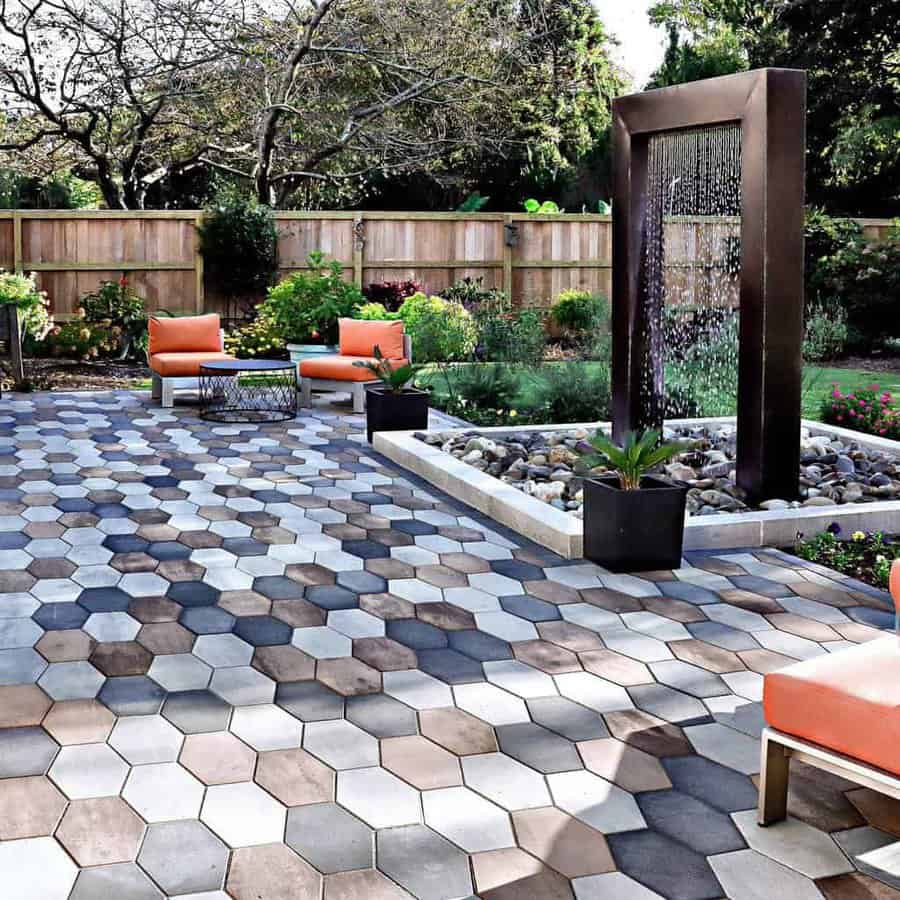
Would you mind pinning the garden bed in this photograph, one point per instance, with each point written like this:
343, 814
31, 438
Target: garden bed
75, 375
547, 511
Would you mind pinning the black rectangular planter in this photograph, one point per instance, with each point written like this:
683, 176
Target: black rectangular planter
386, 411
633, 531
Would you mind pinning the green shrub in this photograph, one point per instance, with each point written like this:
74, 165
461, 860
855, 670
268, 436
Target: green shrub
473, 295
305, 307
390, 294
260, 337
441, 330
77, 339
864, 555
239, 243
573, 392
485, 386
579, 312
22, 291
116, 306
516, 337
826, 333
374, 312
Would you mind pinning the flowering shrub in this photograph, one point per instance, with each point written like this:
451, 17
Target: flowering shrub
116, 306
22, 291
865, 555
441, 330
261, 337
78, 339
871, 411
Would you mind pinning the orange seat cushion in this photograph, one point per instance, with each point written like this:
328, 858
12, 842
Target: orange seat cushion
185, 334
182, 365
360, 338
847, 701
341, 368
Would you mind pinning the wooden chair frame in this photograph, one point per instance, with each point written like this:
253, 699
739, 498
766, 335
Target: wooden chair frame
777, 751
356, 389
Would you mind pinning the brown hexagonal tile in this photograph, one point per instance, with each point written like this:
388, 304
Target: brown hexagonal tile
613, 601
100, 831
624, 765
67, 645
707, 656
763, 661
344, 531
79, 721
390, 568
879, 810
856, 886
803, 627
180, 570
562, 842
461, 533
441, 576
457, 731
348, 676
51, 568
615, 667
363, 884
245, 603
154, 610
298, 613
17, 581
421, 762
829, 595
466, 563
718, 566
446, 616
648, 733
750, 601
200, 540
158, 531
218, 757
22, 705
29, 807
384, 654
270, 534
670, 608
166, 637
309, 574
284, 663
114, 658
367, 521
854, 631
39, 530
78, 519
547, 657
572, 637
295, 777
512, 874
387, 606
552, 591
134, 562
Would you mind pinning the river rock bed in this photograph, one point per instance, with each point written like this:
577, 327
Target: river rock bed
542, 464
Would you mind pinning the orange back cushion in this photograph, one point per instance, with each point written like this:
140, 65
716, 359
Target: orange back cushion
360, 337
187, 334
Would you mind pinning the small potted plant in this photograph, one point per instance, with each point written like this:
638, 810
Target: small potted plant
392, 405
633, 521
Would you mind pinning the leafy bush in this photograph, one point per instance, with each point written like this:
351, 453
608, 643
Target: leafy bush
579, 312
441, 331
871, 411
239, 243
547, 207
260, 337
485, 386
391, 294
116, 306
374, 312
516, 337
22, 291
573, 392
472, 294
79, 340
826, 333
305, 306
865, 555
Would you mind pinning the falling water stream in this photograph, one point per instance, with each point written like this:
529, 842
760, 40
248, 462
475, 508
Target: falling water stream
690, 272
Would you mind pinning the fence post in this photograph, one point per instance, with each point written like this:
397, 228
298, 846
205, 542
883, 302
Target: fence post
359, 249
199, 299
17, 242
507, 256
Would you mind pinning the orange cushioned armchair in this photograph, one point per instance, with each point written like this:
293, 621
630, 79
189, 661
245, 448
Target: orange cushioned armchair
358, 340
177, 347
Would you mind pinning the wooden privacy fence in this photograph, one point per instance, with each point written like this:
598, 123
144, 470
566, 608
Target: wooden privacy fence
531, 257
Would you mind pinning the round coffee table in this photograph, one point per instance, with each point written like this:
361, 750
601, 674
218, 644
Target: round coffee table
248, 390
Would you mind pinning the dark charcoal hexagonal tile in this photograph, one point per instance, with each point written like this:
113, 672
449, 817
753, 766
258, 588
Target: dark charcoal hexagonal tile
330, 838
331, 597
168, 550
539, 748
514, 568
309, 701
104, 599
416, 634
689, 821
193, 593
60, 616
413, 527
722, 788
277, 587
450, 666
25, 751
568, 718
195, 712
530, 608
362, 582
207, 620
263, 631
125, 543
133, 695
479, 645
245, 547
382, 716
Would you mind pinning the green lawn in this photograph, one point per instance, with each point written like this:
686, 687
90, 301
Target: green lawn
817, 381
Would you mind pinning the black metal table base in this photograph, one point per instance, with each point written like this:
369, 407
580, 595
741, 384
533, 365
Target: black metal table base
248, 391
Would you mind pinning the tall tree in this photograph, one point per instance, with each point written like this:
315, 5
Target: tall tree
851, 50
121, 89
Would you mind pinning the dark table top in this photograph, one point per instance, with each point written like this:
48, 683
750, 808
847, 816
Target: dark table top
247, 365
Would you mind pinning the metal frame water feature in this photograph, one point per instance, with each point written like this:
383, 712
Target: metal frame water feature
770, 107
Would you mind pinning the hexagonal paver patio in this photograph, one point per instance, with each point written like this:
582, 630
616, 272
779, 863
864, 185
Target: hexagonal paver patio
261, 662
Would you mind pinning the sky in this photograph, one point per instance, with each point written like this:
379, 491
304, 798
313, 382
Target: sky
641, 44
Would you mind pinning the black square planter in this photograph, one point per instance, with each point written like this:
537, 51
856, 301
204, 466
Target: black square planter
633, 531
387, 411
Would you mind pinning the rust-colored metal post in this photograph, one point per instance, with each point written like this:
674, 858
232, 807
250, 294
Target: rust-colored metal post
770, 106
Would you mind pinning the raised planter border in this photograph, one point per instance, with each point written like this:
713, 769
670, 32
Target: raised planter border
561, 532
